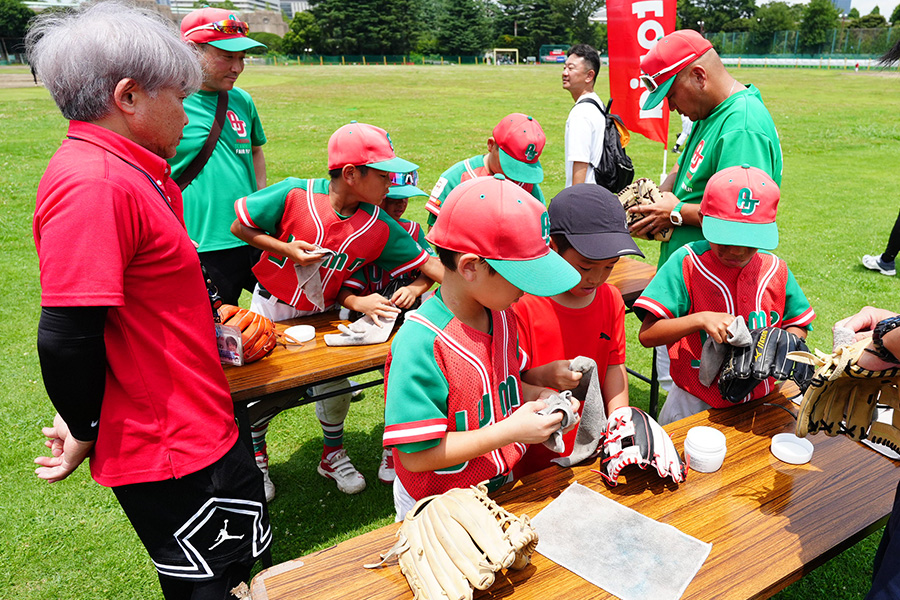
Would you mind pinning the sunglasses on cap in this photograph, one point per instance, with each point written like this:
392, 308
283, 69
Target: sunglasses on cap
411, 178
226, 26
649, 81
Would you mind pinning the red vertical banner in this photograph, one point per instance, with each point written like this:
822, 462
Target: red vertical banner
633, 27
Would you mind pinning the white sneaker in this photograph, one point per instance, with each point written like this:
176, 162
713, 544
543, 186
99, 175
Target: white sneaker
337, 466
262, 462
386, 473
876, 264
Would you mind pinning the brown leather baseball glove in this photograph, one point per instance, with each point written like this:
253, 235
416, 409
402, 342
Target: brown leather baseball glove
453, 543
643, 191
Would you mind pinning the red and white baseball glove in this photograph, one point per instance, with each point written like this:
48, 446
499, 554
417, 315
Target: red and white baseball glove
634, 438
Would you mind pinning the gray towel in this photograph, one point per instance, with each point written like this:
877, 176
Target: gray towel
310, 280
561, 403
362, 332
593, 414
713, 354
646, 559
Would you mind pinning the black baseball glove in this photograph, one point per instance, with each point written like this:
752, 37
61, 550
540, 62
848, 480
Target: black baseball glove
766, 356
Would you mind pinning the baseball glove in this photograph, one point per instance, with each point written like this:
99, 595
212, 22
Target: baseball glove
257, 332
634, 438
766, 356
842, 397
455, 542
642, 191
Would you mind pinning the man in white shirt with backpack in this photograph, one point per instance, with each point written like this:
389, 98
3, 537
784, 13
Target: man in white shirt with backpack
586, 124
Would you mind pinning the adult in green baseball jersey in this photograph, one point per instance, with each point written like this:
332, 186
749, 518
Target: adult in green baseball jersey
732, 127
514, 150
236, 166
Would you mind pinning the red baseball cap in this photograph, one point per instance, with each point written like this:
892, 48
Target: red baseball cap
362, 144
502, 223
739, 207
217, 27
666, 59
521, 141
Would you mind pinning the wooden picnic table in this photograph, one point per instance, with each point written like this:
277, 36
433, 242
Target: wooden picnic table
769, 522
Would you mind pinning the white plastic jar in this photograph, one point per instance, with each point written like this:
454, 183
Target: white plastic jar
704, 448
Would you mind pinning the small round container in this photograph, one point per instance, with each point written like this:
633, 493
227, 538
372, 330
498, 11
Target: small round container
301, 333
704, 449
791, 449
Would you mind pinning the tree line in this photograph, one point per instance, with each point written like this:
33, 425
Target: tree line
470, 27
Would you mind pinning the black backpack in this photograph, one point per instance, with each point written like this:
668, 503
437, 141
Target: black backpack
615, 170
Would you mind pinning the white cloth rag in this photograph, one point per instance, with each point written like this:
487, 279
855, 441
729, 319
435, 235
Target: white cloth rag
593, 413
310, 280
362, 332
713, 354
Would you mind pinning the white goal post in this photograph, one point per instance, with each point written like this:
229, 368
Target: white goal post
506, 53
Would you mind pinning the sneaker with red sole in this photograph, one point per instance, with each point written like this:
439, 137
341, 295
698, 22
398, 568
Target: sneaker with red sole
386, 473
337, 466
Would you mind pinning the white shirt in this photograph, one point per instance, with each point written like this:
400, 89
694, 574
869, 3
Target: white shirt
585, 127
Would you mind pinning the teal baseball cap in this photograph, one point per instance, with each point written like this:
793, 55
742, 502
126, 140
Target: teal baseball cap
739, 207
521, 140
497, 220
666, 59
219, 28
364, 144
403, 185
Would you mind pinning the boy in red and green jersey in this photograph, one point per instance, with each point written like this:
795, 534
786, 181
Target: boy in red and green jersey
513, 151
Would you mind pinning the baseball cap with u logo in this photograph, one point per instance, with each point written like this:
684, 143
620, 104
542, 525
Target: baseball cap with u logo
219, 28
497, 220
361, 144
739, 208
666, 59
521, 140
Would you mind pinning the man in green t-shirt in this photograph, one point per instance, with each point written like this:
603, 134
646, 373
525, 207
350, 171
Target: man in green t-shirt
732, 127
237, 166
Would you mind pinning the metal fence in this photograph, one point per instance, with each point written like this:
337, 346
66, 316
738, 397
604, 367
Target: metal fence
371, 59
856, 43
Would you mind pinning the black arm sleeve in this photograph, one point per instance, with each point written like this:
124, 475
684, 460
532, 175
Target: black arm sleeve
72, 352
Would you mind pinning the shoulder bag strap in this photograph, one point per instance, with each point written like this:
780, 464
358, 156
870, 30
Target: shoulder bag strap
193, 169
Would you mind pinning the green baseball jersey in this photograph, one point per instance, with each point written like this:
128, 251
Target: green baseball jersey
227, 175
739, 131
462, 171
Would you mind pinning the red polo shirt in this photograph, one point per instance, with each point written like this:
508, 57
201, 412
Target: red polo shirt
109, 231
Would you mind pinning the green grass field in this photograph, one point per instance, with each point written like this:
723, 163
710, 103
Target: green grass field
840, 133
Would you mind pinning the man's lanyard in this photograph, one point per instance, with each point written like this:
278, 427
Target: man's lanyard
152, 181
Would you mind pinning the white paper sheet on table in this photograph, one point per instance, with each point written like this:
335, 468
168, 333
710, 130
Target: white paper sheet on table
616, 548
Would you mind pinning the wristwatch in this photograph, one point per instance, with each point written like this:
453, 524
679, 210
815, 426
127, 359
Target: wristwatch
884, 327
675, 216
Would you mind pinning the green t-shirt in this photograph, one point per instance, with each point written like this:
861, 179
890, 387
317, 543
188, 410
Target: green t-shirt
227, 176
739, 131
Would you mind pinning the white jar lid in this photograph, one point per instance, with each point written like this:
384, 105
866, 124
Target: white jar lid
791, 449
301, 333
705, 439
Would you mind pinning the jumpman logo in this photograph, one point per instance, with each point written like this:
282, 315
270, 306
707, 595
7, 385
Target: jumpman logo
223, 535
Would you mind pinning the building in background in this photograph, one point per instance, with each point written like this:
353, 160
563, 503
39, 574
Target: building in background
843, 6
291, 8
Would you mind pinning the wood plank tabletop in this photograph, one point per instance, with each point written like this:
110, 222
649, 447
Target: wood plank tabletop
769, 522
292, 367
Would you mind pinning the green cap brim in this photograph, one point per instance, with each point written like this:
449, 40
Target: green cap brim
404, 191
238, 44
545, 276
659, 94
732, 233
520, 171
395, 165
